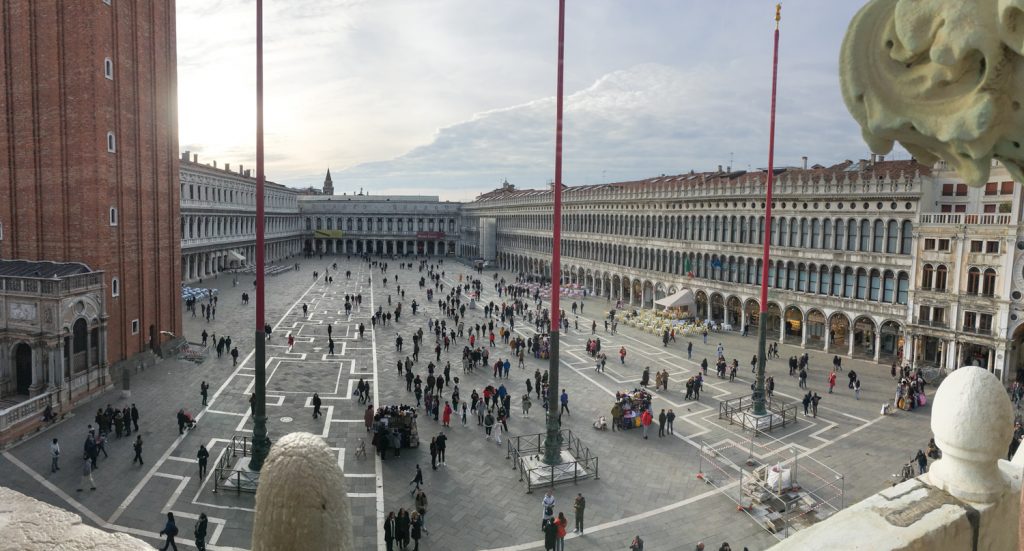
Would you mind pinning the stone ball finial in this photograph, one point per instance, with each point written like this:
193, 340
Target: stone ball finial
942, 78
301, 501
972, 422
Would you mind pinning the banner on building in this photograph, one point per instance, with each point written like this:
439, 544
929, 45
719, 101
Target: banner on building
430, 235
328, 234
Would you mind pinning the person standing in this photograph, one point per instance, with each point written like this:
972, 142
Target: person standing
330, 346
415, 529
579, 505
135, 418
442, 444
831, 381
170, 530
661, 423
203, 455
390, 529
549, 509
234, 356
433, 453
562, 523
316, 405
402, 523
689, 350
204, 389
669, 418
564, 398
645, 420
814, 404
622, 355
54, 456
200, 532
138, 450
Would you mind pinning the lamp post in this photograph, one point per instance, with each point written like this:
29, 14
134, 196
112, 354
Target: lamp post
553, 440
260, 442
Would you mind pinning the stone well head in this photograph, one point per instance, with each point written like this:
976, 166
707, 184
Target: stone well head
972, 422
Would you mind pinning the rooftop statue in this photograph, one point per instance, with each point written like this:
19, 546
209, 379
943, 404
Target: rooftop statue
942, 77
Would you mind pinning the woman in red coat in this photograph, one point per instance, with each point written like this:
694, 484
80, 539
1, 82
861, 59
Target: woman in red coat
562, 523
447, 414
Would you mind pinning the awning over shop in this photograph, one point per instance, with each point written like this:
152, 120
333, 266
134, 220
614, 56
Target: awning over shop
236, 256
681, 298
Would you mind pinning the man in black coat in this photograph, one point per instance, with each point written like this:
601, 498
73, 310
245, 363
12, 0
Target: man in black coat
390, 530
316, 405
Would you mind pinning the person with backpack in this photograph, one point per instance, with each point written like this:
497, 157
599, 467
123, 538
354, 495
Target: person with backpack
170, 530
638, 544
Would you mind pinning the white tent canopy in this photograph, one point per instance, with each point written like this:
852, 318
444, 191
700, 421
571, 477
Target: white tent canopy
681, 298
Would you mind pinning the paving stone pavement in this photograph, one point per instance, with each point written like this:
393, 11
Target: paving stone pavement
476, 501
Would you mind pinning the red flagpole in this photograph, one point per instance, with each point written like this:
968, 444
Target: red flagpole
553, 440
762, 333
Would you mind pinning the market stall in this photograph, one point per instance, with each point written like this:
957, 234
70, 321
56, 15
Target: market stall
632, 404
400, 421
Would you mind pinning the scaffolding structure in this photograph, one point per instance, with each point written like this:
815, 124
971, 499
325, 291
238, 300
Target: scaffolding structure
774, 482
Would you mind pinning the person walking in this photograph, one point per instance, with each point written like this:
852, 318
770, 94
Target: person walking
204, 389
421, 508
579, 505
806, 402
856, 388
138, 450
234, 356
86, 475
831, 381
417, 480
170, 530
645, 420
316, 405
689, 350
922, 462
202, 456
814, 404
54, 456
622, 355
200, 532
564, 399
368, 417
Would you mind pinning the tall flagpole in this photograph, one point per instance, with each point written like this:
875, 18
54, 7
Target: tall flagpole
553, 441
762, 326
260, 442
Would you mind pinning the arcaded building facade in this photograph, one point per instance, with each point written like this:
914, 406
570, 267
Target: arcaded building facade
846, 267
88, 155
218, 220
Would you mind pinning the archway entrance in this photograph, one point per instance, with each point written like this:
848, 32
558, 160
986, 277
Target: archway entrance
815, 329
753, 310
702, 305
717, 308
891, 343
774, 321
864, 337
22, 367
733, 313
839, 334
793, 326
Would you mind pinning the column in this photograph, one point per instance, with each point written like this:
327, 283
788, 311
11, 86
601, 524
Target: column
37, 385
910, 350
828, 335
991, 360
849, 339
803, 331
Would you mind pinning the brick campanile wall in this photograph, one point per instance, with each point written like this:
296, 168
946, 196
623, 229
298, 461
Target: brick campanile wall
58, 181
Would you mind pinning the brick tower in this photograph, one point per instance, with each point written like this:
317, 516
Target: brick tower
88, 153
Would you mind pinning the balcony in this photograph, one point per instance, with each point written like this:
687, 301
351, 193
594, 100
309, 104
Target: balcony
959, 219
931, 323
977, 330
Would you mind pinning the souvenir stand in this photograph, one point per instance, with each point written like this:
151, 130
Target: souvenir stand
403, 420
632, 404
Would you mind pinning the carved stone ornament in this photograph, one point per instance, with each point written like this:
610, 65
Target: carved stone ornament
942, 77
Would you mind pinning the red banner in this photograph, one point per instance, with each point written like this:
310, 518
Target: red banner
430, 235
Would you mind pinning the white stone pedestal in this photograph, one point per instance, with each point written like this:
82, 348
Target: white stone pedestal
541, 473
244, 478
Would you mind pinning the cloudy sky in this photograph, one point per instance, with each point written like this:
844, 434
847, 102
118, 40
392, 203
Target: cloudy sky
450, 97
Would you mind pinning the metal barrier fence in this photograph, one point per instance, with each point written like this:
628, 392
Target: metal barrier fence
584, 464
225, 472
736, 411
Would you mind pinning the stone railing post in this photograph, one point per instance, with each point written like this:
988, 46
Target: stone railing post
972, 421
302, 502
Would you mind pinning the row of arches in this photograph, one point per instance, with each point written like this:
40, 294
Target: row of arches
892, 236
388, 224
202, 226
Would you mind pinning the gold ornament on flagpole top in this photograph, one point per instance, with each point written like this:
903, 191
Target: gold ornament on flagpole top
778, 14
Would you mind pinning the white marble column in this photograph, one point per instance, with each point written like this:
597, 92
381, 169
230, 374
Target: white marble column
803, 331
878, 344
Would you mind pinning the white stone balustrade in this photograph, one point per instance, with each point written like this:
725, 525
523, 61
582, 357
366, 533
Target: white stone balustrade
969, 499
